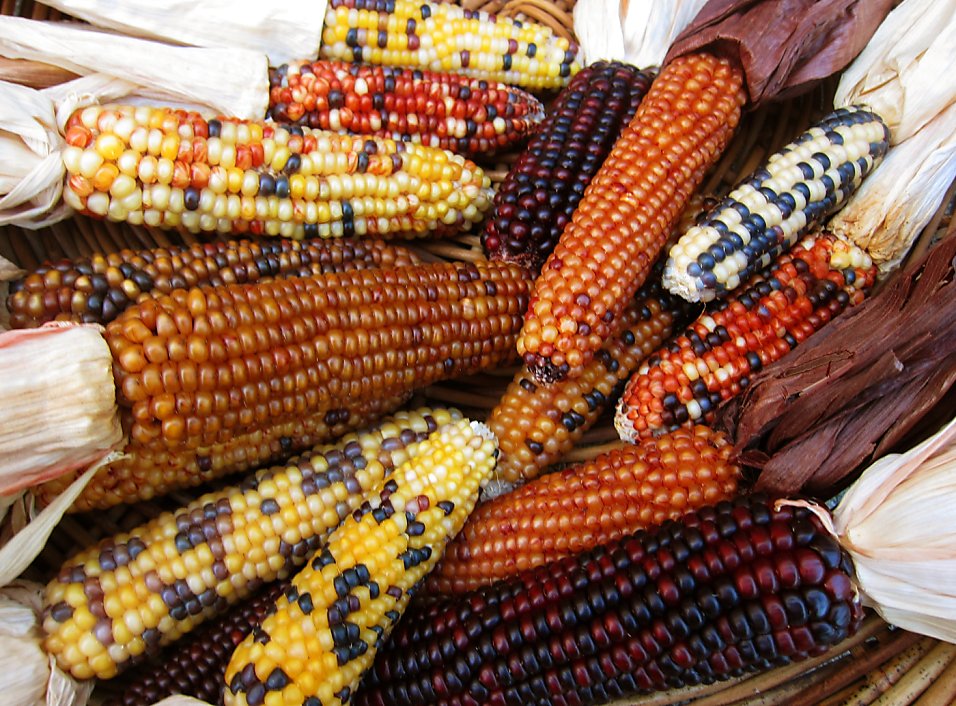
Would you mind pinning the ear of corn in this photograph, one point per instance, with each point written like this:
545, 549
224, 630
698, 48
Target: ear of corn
324, 633
97, 288
538, 424
175, 169
464, 115
684, 382
132, 594
617, 493
730, 589
445, 37
766, 214
624, 219
535, 202
196, 665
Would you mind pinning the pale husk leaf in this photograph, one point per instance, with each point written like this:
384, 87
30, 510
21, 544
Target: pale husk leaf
58, 410
231, 81
897, 523
901, 196
638, 32
287, 30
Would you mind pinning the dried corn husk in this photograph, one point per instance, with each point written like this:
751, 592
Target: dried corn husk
637, 32
905, 74
58, 410
286, 30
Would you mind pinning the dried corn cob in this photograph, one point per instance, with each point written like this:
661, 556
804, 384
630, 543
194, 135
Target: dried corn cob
324, 633
146, 471
211, 368
623, 221
730, 589
465, 115
172, 168
713, 360
196, 666
617, 493
445, 37
537, 424
545, 185
795, 190
97, 288
140, 590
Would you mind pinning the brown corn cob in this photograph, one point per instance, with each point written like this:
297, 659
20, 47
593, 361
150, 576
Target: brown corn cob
729, 589
684, 382
537, 424
196, 666
133, 593
97, 288
535, 202
175, 169
465, 115
624, 219
322, 636
203, 367
617, 493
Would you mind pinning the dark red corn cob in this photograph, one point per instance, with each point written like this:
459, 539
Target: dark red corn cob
545, 185
196, 666
734, 588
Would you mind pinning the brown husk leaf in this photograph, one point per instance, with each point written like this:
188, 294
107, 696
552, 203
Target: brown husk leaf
783, 46
857, 387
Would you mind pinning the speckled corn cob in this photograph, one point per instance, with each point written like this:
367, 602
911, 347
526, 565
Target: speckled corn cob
795, 190
196, 665
617, 493
146, 471
324, 633
97, 288
135, 592
445, 37
684, 382
730, 589
537, 424
175, 169
468, 116
535, 202
624, 219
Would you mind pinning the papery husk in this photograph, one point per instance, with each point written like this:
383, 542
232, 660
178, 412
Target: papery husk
897, 523
637, 32
287, 30
232, 81
58, 407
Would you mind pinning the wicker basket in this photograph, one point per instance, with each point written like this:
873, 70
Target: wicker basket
879, 664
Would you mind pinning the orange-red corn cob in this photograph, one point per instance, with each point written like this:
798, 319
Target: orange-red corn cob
537, 424
684, 382
465, 115
624, 219
617, 493
97, 288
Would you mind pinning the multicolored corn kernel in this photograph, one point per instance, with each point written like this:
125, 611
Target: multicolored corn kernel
712, 361
445, 37
792, 193
323, 634
147, 471
133, 593
538, 424
175, 169
628, 212
535, 202
730, 589
196, 665
97, 288
616, 493
468, 116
